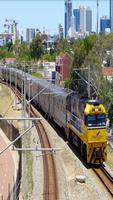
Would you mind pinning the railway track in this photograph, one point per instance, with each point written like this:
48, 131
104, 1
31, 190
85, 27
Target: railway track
50, 180
105, 177
50, 189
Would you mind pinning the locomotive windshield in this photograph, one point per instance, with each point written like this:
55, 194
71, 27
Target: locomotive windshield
96, 120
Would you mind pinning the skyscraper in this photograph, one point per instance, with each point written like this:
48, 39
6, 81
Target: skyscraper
60, 31
111, 15
88, 20
76, 13
82, 19
68, 15
104, 23
30, 34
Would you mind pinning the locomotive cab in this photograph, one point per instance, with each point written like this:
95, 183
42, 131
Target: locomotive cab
86, 126
95, 121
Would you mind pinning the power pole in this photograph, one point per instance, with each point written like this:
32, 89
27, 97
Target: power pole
89, 95
97, 14
89, 78
24, 138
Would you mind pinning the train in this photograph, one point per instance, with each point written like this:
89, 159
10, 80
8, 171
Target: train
82, 120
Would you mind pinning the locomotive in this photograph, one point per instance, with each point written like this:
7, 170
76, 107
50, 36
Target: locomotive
83, 120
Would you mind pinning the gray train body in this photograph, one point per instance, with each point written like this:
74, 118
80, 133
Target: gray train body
51, 98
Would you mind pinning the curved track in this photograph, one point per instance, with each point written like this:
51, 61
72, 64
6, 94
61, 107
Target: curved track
50, 189
50, 177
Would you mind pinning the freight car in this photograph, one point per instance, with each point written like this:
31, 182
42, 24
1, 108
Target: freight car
83, 120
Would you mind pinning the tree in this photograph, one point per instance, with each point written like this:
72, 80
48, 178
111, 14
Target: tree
36, 48
109, 102
17, 48
24, 52
63, 45
4, 53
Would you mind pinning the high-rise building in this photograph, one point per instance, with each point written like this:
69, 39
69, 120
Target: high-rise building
111, 15
82, 19
68, 16
88, 20
104, 23
76, 13
14, 31
11, 28
60, 31
30, 34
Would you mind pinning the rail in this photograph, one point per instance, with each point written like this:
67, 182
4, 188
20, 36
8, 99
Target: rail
105, 177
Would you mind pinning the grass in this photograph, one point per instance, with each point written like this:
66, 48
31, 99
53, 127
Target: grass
29, 168
109, 157
38, 75
29, 160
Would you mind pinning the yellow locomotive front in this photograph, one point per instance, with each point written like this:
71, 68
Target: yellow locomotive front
86, 128
95, 126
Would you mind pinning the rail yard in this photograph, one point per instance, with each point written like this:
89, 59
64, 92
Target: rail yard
60, 176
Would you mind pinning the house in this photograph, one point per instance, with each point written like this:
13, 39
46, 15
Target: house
63, 66
108, 73
49, 68
9, 60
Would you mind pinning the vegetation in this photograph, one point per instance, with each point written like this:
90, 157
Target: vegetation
36, 48
37, 74
5, 52
29, 170
87, 53
109, 102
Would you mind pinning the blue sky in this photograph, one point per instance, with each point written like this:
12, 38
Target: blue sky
44, 13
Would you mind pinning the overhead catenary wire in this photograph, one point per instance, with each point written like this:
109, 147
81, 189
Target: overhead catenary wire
8, 108
1, 152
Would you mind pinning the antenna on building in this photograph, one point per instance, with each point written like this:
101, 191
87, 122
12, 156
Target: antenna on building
97, 14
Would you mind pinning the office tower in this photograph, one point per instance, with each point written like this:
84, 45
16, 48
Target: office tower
14, 31
76, 13
82, 19
30, 34
88, 20
104, 23
71, 31
111, 15
68, 15
20, 35
60, 31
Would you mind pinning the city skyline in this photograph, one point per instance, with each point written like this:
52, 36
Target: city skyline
48, 14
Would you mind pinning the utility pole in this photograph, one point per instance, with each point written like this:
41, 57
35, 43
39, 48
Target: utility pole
97, 14
24, 138
89, 95
89, 78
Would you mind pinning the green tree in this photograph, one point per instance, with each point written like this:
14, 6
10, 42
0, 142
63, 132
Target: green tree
63, 45
17, 48
24, 52
108, 97
4, 53
36, 48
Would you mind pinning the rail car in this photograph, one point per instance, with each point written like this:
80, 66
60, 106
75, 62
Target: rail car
83, 120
